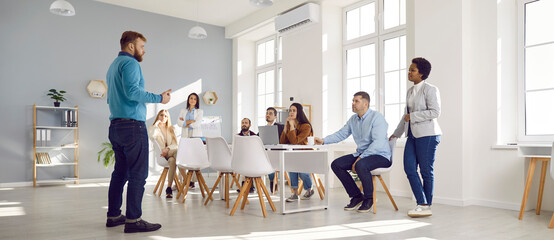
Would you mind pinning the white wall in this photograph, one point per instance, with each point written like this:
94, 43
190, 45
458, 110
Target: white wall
244, 81
467, 68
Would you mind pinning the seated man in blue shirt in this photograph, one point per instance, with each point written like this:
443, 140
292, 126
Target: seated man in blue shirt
369, 130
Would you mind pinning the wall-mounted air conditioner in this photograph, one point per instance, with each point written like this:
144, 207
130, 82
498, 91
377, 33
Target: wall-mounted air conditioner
299, 16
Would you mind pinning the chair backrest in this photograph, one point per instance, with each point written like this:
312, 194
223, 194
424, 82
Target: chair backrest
392, 144
219, 154
157, 154
552, 162
192, 154
249, 157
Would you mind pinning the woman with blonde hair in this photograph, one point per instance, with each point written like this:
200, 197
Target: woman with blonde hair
163, 134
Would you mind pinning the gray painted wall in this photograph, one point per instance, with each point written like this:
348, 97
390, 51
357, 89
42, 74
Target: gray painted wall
40, 51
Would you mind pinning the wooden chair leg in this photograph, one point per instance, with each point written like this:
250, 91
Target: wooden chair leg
262, 203
551, 225
528, 182
226, 189
243, 193
183, 175
235, 180
159, 181
248, 183
202, 181
318, 186
212, 191
164, 176
275, 182
388, 193
300, 186
374, 195
188, 178
201, 186
267, 196
541, 186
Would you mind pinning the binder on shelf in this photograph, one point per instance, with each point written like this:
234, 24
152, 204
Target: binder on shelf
43, 137
48, 137
38, 143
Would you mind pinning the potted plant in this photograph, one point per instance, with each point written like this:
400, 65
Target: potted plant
58, 96
211, 100
106, 155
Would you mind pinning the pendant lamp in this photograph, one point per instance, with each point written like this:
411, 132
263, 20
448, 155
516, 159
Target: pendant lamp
197, 32
62, 8
261, 3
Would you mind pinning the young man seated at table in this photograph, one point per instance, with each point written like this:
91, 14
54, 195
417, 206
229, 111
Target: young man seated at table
369, 130
245, 131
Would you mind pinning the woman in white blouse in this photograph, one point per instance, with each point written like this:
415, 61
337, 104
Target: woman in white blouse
420, 125
190, 119
163, 134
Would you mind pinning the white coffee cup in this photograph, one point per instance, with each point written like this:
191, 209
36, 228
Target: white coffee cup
311, 140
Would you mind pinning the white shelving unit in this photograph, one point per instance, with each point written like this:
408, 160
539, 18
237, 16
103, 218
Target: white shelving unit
49, 149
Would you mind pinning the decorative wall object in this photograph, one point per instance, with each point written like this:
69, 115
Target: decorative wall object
210, 97
97, 88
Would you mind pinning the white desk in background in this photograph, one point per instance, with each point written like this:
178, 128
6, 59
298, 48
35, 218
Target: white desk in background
535, 153
299, 158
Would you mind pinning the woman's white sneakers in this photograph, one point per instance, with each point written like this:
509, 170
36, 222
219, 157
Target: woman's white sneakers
420, 211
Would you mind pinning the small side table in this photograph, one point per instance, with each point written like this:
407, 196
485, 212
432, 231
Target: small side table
532, 164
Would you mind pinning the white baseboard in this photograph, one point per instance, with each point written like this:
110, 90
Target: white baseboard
495, 204
30, 184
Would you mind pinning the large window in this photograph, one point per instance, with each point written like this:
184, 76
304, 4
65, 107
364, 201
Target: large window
536, 48
375, 56
268, 76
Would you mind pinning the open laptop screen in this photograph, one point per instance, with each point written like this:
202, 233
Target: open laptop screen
269, 135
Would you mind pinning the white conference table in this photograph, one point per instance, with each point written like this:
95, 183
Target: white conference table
299, 158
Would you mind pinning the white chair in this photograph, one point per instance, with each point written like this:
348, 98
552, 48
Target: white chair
551, 225
192, 156
163, 163
219, 156
250, 159
377, 173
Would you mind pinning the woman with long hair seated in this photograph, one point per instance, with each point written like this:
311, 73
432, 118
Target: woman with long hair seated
163, 134
297, 130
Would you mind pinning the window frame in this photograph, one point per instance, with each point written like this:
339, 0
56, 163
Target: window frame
276, 66
378, 38
521, 111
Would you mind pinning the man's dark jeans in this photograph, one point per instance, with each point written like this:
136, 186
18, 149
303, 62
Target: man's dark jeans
363, 168
129, 139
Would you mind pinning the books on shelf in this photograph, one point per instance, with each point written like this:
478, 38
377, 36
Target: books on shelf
43, 158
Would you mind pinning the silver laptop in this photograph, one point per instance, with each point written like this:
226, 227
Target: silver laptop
269, 134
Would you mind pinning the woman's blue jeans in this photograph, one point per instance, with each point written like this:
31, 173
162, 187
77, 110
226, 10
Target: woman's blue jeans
421, 152
293, 176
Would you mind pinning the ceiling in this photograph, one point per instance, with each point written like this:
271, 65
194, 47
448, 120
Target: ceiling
214, 12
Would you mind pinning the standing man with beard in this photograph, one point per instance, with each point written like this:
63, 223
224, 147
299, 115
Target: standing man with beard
127, 102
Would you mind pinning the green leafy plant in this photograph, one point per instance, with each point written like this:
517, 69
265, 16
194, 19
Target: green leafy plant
106, 155
58, 96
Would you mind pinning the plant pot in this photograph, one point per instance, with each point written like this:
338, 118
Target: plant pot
56, 104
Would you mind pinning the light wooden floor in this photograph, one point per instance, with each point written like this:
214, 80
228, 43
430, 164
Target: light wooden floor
78, 212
